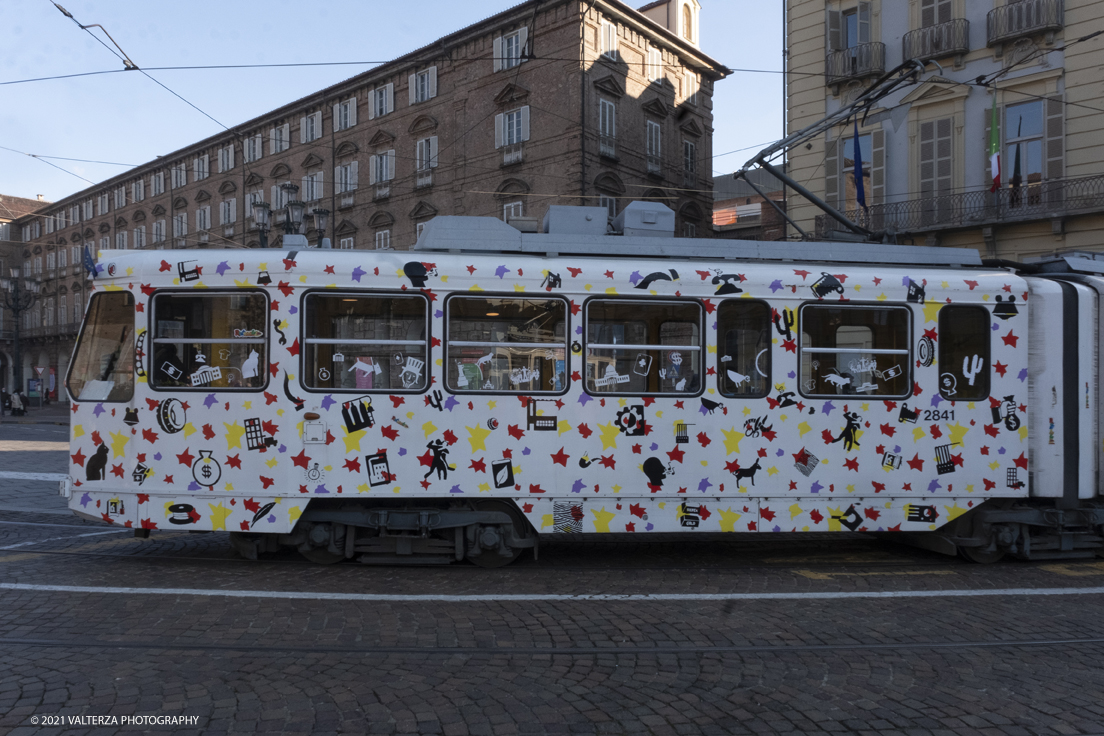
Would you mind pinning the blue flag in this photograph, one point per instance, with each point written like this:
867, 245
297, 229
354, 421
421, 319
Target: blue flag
89, 264
860, 185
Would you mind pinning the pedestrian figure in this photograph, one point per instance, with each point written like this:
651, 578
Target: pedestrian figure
440, 460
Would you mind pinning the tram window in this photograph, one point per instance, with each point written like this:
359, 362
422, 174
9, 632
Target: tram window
506, 344
855, 350
205, 341
744, 334
354, 342
964, 366
643, 347
103, 364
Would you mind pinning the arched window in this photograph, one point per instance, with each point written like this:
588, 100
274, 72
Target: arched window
687, 23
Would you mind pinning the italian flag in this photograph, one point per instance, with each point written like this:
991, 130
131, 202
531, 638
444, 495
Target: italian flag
994, 148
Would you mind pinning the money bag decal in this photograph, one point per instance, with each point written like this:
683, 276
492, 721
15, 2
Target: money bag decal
206, 469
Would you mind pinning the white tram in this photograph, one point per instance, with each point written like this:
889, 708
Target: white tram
492, 386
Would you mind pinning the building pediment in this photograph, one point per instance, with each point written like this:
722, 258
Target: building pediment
423, 210
511, 188
382, 218
380, 139
511, 93
180, 203
656, 108
88, 233
610, 86
228, 187
691, 128
311, 161
423, 124
254, 179
120, 222
157, 210
609, 182
139, 216
279, 170
347, 148
345, 229
936, 89
691, 211
104, 227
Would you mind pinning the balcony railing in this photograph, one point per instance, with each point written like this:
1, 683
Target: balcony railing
607, 146
424, 179
383, 190
1042, 201
347, 200
689, 178
857, 62
1023, 18
946, 39
655, 165
513, 153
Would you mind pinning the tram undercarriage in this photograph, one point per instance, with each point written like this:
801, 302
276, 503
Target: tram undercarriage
488, 533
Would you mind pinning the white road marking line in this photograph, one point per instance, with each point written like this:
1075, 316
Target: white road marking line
57, 539
581, 597
12, 475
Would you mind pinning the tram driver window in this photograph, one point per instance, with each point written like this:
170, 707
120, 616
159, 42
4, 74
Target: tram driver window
354, 342
744, 334
643, 347
855, 350
103, 363
964, 339
207, 341
506, 344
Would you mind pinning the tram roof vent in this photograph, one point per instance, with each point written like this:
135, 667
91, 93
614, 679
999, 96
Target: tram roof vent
1072, 260
564, 219
646, 219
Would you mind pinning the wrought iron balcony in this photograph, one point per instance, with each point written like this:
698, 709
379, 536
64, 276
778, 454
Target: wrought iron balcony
689, 179
1046, 200
424, 179
607, 146
934, 42
383, 190
857, 62
655, 165
513, 153
1023, 18
348, 199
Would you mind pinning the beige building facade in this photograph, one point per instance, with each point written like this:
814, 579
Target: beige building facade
562, 102
925, 150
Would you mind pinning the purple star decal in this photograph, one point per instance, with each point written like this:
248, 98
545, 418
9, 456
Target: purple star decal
934, 486
157, 456
402, 451
293, 309
649, 527
525, 451
776, 285
704, 485
905, 281
501, 271
451, 402
222, 268
995, 327
936, 400
780, 452
827, 408
791, 374
578, 486
635, 277
1023, 375
328, 402
98, 410
816, 487
776, 528
438, 314
322, 489
357, 273
85, 499
282, 448
584, 398
455, 489
193, 486
1001, 451
654, 447
210, 401
272, 519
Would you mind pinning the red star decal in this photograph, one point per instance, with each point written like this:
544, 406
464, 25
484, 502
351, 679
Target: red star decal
1021, 461
585, 431
471, 270
270, 427
397, 401
710, 307
149, 436
285, 288
425, 484
676, 454
353, 465
266, 482
426, 459
273, 368
574, 271
609, 274
852, 464
208, 433
275, 306
560, 457
141, 308
148, 524
233, 461
186, 458
916, 463
479, 466
878, 487
703, 439
991, 429
301, 459
117, 470
888, 429
575, 309
732, 466
971, 284
143, 498
1000, 367
164, 267
508, 454
608, 462
294, 349
169, 480
515, 432
790, 346
288, 265
78, 459
1010, 339
801, 457
389, 432
328, 269
802, 274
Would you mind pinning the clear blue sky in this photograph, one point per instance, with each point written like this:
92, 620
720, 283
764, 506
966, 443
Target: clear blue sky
127, 118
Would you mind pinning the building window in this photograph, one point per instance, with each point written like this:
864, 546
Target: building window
655, 147
344, 114
690, 87
279, 196
226, 158
425, 157
228, 211
77, 310
1024, 150
418, 230
121, 240
74, 214
201, 167
689, 163
74, 253
310, 127
687, 23
180, 225
347, 244
509, 50
608, 41
252, 198
509, 345
689, 230
63, 310
138, 190
279, 138
203, 218
51, 261
511, 130
159, 231
866, 150
640, 347
120, 197
513, 209
179, 176
654, 65
102, 207
383, 239
38, 265
86, 210
610, 203
157, 183
49, 224
382, 167
140, 236
864, 351
607, 128
254, 148
423, 85
312, 187
346, 177
62, 257
383, 101
105, 243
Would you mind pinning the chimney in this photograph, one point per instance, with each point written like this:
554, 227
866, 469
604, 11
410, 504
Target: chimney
41, 197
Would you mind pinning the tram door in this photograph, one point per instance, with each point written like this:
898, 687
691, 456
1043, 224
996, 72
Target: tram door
1063, 387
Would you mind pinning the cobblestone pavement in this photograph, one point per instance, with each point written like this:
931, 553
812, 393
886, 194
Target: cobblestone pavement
992, 665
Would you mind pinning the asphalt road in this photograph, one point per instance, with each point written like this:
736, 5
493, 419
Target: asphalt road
688, 635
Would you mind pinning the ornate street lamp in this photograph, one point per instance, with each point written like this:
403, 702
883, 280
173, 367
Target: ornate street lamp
20, 294
262, 216
294, 209
321, 219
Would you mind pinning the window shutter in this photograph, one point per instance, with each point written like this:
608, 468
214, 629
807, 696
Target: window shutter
943, 13
336, 116
352, 180
352, 111
864, 22
373, 170
390, 98
230, 155
302, 130
433, 152
927, 159
498, 53
338, 183
1055, 139
831, 174
523, 38
413, 81
525, 123
433, 81
391, 164
927, 13
944, 148
498, 130
835, 30
272, 141
877, 167
372, 104
318, 124
988, 112
275, 196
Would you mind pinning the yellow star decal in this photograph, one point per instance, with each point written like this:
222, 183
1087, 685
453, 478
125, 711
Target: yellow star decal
428, 428
247, 405
234, 433
118, 443
728, 520
918, 434
547, 520
363, 488
795, 511
957, 431
477, 436
189, 430
732, 439
563, 426
219, 514
602, 519
803, 429
78, 430
953, 512
294, 513
609, 435
352, 439
931, 311
1023, 432
271, 463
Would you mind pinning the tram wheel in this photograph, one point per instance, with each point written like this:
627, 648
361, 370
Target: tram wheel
490, 558
321, 556
979, 556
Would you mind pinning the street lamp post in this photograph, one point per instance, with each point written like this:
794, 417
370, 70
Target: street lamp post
293, 218
20, 294
262, 215
321, 219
